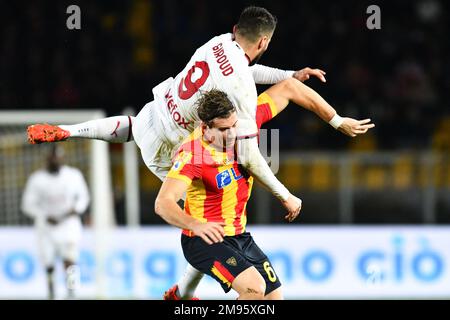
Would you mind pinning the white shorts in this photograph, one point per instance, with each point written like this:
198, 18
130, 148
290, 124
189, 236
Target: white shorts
157, 137
61, 240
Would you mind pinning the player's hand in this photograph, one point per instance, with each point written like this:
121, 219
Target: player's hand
305, 73
52, 221
210, 232
293, 205
352, 127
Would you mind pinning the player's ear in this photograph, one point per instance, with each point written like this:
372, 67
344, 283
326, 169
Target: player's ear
205, 132
262, 42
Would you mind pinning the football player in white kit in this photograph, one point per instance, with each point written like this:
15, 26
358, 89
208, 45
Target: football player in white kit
54, 198
226, 63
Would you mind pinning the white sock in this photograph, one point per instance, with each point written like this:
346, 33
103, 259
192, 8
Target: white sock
189, 282
112, 129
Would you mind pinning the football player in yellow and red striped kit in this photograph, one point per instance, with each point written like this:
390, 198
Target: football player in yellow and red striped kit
214, 239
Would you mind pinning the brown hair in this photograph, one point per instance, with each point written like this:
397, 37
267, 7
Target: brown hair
214, 104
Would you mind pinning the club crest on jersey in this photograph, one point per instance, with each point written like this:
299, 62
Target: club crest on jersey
225, 178
181, 160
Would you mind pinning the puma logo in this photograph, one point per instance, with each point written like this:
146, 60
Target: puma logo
114, 133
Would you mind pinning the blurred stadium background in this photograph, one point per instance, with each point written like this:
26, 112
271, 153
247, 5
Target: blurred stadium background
376, 214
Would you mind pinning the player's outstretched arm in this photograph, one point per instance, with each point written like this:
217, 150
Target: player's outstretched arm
292, 90
268, 75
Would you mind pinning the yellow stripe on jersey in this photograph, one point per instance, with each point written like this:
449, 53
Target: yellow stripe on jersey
229, 202
265, 98
196, 194
178, 176
180, 161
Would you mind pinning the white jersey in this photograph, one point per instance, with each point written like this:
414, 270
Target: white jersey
55, 195
219, 64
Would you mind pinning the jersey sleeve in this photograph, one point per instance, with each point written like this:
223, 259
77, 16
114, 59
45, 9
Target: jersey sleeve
185, 167
268, 75
266, 109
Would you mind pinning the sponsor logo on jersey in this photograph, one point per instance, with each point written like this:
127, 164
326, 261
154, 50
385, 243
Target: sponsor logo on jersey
225, 178
176, 116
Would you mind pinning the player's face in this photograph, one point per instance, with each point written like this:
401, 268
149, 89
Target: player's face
55, 159
222, 134
54, 163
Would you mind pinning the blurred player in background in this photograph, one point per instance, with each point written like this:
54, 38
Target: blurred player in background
54, 198
227, 63
214, 238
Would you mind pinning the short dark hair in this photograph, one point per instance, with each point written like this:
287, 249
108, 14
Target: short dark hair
254, 22
214, 104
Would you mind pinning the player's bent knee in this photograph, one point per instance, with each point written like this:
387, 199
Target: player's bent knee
290, 84
284, 91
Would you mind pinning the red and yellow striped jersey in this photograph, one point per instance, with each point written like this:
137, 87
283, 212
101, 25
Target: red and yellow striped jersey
266, 109
218, 187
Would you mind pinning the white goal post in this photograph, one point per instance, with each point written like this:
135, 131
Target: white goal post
13, 126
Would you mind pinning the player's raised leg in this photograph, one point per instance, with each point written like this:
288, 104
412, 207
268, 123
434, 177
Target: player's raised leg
116, 129
292, 90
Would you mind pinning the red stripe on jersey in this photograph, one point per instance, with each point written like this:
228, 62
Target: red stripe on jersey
242, 197
212, 207
263, 114
224, 271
